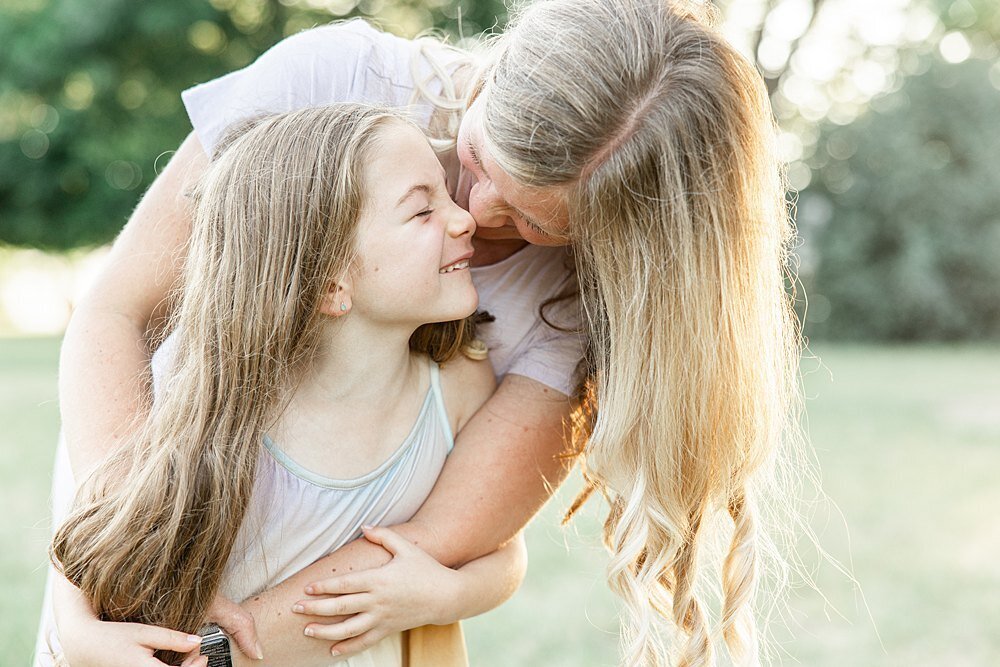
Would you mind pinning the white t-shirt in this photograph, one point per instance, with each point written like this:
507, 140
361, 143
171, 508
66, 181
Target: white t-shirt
354, 62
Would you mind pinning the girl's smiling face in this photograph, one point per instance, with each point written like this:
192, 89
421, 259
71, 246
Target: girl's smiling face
414, 242
503, 208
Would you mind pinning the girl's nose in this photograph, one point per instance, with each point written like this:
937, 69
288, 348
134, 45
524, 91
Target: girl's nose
461, 222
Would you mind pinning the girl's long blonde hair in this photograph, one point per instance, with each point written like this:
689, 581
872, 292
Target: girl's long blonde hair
661, 135
275, 226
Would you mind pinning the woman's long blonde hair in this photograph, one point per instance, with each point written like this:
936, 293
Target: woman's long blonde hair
661, 135
275, 226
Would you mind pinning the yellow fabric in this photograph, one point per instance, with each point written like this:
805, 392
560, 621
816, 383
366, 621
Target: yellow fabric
436, 646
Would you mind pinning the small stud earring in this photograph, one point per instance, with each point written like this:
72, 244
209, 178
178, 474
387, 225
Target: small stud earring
343, 307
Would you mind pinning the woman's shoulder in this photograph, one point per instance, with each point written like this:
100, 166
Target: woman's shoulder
347, 61
333, 39
465, 385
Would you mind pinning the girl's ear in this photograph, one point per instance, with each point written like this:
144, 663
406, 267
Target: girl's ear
337, 302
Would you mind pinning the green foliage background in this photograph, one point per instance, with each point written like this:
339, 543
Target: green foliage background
903, 213
90, 93
900, 221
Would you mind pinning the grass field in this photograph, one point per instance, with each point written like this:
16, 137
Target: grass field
909, 443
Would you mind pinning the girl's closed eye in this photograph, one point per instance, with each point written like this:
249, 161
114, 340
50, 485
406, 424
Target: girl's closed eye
425, 213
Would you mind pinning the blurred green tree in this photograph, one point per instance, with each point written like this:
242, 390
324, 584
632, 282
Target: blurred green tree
90, 93
902, 219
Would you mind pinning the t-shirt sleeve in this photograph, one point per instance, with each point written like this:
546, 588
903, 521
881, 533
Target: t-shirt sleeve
311, 68
551, 354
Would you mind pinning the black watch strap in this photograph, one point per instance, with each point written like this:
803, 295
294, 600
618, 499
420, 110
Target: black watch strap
215, 646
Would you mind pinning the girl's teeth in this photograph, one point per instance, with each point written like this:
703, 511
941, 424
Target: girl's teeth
457, 265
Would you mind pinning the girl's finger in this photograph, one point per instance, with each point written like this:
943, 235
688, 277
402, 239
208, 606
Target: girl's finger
341, 605
239, 625
387, 538
195, 661
345, 584
356, 644
352, 627
155, 637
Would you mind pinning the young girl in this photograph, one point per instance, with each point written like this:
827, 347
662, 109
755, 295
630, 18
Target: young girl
304, 400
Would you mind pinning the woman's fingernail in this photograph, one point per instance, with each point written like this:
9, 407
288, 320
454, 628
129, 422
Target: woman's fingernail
310, 632
309, 590
298, 609
260, 651
366, 527
193, 639
334, 652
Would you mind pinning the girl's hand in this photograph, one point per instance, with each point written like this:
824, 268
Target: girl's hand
409, 591
238, 624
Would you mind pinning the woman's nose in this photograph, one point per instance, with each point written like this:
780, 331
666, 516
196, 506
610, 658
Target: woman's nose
485, 205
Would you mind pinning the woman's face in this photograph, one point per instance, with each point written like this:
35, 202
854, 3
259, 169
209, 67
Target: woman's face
503, 208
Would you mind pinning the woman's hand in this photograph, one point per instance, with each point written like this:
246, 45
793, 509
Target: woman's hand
410, 590
103, 644
87, 641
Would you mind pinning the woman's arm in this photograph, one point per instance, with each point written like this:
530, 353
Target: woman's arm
506, 463
104, 376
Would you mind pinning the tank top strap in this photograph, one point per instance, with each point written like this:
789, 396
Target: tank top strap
435, 373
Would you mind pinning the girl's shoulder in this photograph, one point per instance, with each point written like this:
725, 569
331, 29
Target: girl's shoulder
465, 385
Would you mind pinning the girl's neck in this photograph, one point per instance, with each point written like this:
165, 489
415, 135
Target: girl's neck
355, 403
357, 363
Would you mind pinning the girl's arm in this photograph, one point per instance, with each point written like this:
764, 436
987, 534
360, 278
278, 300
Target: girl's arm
411, 590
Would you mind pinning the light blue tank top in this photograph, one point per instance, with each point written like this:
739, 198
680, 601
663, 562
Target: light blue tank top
297, 516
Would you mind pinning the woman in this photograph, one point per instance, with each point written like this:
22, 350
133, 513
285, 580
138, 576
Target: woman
634, 131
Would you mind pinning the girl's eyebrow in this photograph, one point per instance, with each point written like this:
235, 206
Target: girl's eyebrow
414, 189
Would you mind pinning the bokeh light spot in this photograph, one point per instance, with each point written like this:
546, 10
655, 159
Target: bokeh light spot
819, 309
955, 48
44, 118
799, 175
123, 175
34, 144
132, 93
79, 91
207, 37
74, 180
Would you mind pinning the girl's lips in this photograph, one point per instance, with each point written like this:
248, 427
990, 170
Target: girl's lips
458, 263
